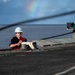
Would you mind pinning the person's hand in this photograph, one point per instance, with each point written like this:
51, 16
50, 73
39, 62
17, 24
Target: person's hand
20, 41
18, 44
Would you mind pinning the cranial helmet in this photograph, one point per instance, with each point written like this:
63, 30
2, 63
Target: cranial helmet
18, 29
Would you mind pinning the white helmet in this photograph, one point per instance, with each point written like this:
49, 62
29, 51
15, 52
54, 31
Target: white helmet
18, 29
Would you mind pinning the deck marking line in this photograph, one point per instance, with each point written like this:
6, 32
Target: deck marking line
66, 71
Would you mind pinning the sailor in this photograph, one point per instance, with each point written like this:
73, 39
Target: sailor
18, 39
19, 42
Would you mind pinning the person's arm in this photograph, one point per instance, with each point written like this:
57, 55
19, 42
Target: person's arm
14, 42
14, 45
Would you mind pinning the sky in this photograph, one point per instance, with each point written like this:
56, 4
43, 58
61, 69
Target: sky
13, 11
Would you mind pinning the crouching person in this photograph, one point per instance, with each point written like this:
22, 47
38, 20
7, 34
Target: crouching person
18, 42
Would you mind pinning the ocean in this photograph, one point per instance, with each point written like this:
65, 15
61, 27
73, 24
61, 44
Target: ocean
33, 32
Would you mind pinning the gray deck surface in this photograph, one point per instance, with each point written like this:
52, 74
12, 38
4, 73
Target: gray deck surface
51, 42
49, 62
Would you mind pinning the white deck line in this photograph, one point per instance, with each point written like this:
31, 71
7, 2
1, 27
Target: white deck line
66, 71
